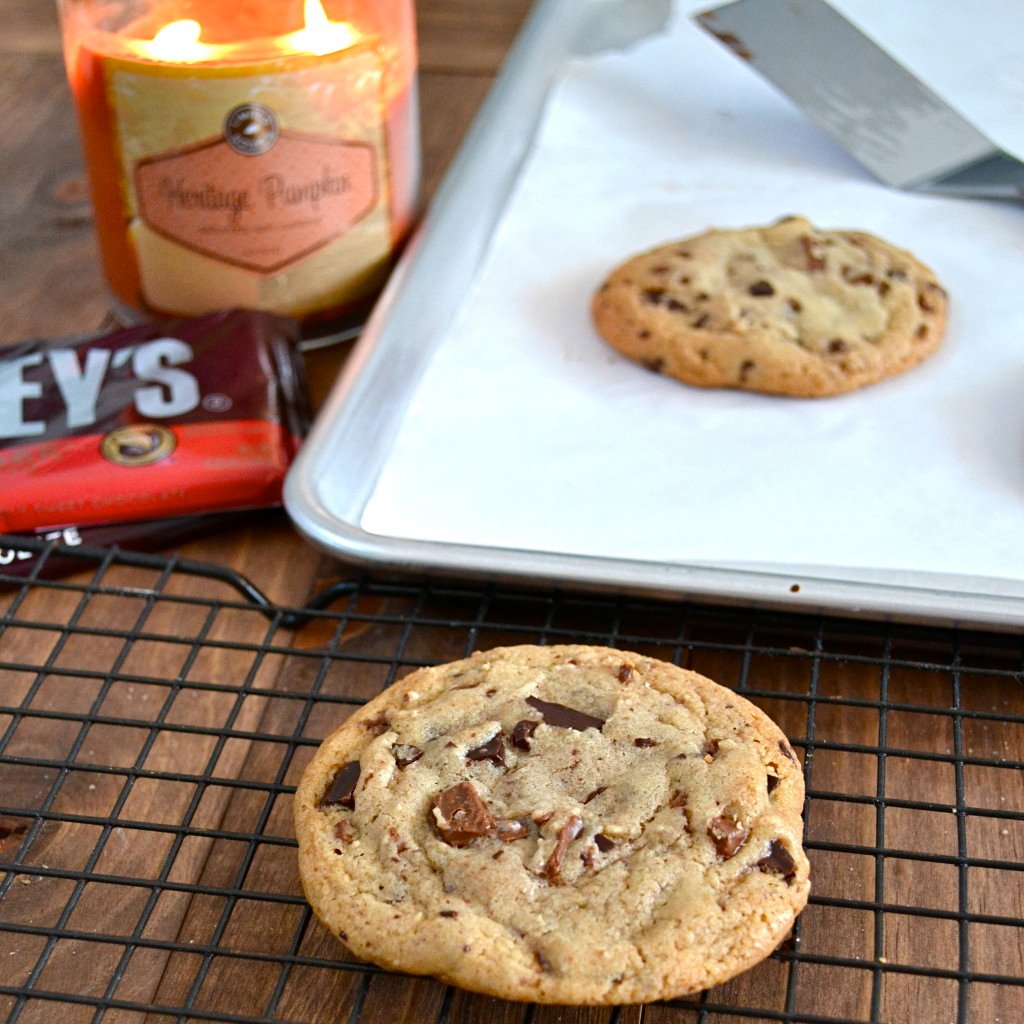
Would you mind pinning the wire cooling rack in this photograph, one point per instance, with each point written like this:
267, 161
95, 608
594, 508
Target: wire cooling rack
155, 716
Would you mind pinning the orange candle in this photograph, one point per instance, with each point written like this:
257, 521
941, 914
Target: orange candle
256, 153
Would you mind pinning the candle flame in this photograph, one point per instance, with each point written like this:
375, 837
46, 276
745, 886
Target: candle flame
321, 35
178, 43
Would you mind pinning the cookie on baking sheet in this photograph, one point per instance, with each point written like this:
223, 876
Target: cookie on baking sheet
787, 309
557, 824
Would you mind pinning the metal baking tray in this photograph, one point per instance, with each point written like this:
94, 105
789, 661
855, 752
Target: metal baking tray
330, 485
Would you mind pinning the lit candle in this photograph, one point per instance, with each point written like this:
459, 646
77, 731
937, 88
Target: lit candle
265, 156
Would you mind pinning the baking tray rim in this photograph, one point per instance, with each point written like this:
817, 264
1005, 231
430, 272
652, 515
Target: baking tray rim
350, 438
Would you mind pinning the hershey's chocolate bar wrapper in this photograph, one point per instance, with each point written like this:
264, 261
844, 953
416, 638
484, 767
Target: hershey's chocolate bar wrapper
161, 421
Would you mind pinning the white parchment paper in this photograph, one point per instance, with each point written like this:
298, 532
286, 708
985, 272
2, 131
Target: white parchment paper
529, 432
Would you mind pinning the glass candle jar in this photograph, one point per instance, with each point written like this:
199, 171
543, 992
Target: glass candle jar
254, 153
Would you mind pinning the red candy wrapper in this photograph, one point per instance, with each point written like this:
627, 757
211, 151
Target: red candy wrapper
170, 420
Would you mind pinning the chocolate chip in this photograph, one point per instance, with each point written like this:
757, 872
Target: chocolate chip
814, 253
787, 750
378, 724
493, 750
661, 270
678, 800
852, 278
448, 913
727, 835
625, 673
523, 732
643, 335
653, 296
566, 834
761, 288
654, 365
597, 792
745, 369
460, 815
778, 860
773, 783
405, 754
710, 748
897, 274
603, 843
837, 345
925, 303
644, 741
676, 307
795, 304
703, 296
542, 961
341, 791
883, 287
922, 331
685, 253
343, 831
509, 830
498, 855
701, 321
562, 717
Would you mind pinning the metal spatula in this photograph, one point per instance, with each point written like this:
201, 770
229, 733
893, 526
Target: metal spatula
889, 120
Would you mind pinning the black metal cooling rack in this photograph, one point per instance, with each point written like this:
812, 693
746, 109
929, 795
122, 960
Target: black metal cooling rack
155, 715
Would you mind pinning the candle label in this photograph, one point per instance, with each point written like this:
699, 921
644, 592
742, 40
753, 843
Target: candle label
276, 182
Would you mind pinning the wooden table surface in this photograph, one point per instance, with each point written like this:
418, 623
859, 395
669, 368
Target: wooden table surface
946, 815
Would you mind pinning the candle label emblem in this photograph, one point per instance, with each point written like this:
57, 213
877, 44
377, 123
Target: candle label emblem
251, 129
278, 193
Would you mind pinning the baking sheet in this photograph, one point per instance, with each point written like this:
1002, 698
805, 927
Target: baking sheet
525, 434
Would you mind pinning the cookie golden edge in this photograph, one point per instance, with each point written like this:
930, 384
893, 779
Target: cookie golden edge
713, 359
393, 938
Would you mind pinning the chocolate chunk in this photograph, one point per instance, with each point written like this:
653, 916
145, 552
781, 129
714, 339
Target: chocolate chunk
597, 792
493, 750
343, 831
522, 733
814, 253
603, 843
727, 835
460, 815
342, 790
562, 717
787, 750
778, 860
761, 288
378, 724
566, 834
509, 830
644, 741
773, 783
448, 913
405, 754
625, 673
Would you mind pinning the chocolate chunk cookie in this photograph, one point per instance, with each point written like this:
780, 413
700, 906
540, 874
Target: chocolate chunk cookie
557, 824
787, 309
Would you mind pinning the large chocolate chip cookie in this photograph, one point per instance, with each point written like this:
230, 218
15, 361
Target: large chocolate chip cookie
558, 824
